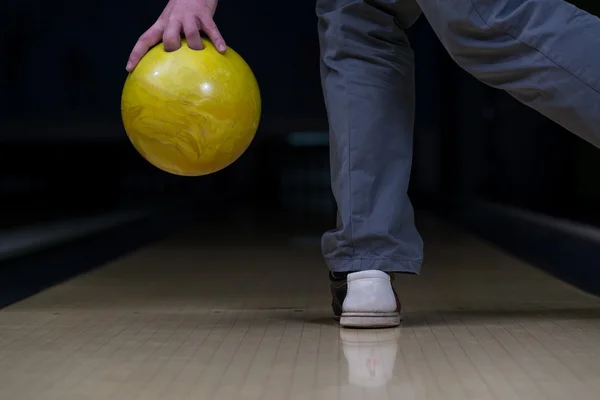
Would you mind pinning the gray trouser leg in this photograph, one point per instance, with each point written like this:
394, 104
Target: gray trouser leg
368, 83
545, 53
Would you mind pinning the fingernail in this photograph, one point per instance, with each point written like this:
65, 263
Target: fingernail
128, 67
222, 47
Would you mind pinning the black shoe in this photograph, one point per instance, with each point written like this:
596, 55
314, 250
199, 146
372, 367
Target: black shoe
339, 288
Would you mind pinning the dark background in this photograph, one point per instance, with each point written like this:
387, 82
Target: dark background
64, 154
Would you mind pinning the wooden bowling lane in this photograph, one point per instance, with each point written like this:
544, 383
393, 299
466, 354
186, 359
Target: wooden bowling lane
194, 318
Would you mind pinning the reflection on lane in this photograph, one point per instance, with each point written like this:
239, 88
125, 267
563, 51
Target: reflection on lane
370, 354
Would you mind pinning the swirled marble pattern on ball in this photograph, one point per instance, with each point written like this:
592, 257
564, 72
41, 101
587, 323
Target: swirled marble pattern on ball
191, 112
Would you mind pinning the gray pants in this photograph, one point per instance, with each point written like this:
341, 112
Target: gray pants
545, 53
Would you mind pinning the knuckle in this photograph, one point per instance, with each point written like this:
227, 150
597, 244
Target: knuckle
207, 20
147, 36
175, 19
190, 30
211, 28
144, 41
210, 24
144, 37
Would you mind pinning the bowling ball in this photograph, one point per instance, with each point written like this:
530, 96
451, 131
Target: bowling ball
191, 112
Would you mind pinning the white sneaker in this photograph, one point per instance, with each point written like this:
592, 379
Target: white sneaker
367, 300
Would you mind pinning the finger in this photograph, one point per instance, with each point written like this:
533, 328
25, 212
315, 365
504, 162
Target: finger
172, 35
210, 28
192, 33
150, 38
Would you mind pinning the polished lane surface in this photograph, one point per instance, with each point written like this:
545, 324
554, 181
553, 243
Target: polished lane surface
198, 317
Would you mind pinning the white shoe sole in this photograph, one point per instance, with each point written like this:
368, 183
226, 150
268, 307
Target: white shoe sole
370, 320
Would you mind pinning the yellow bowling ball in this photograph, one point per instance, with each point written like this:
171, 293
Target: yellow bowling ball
191, 112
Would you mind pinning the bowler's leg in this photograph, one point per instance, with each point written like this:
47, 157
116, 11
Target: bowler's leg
545, 53
368, 83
